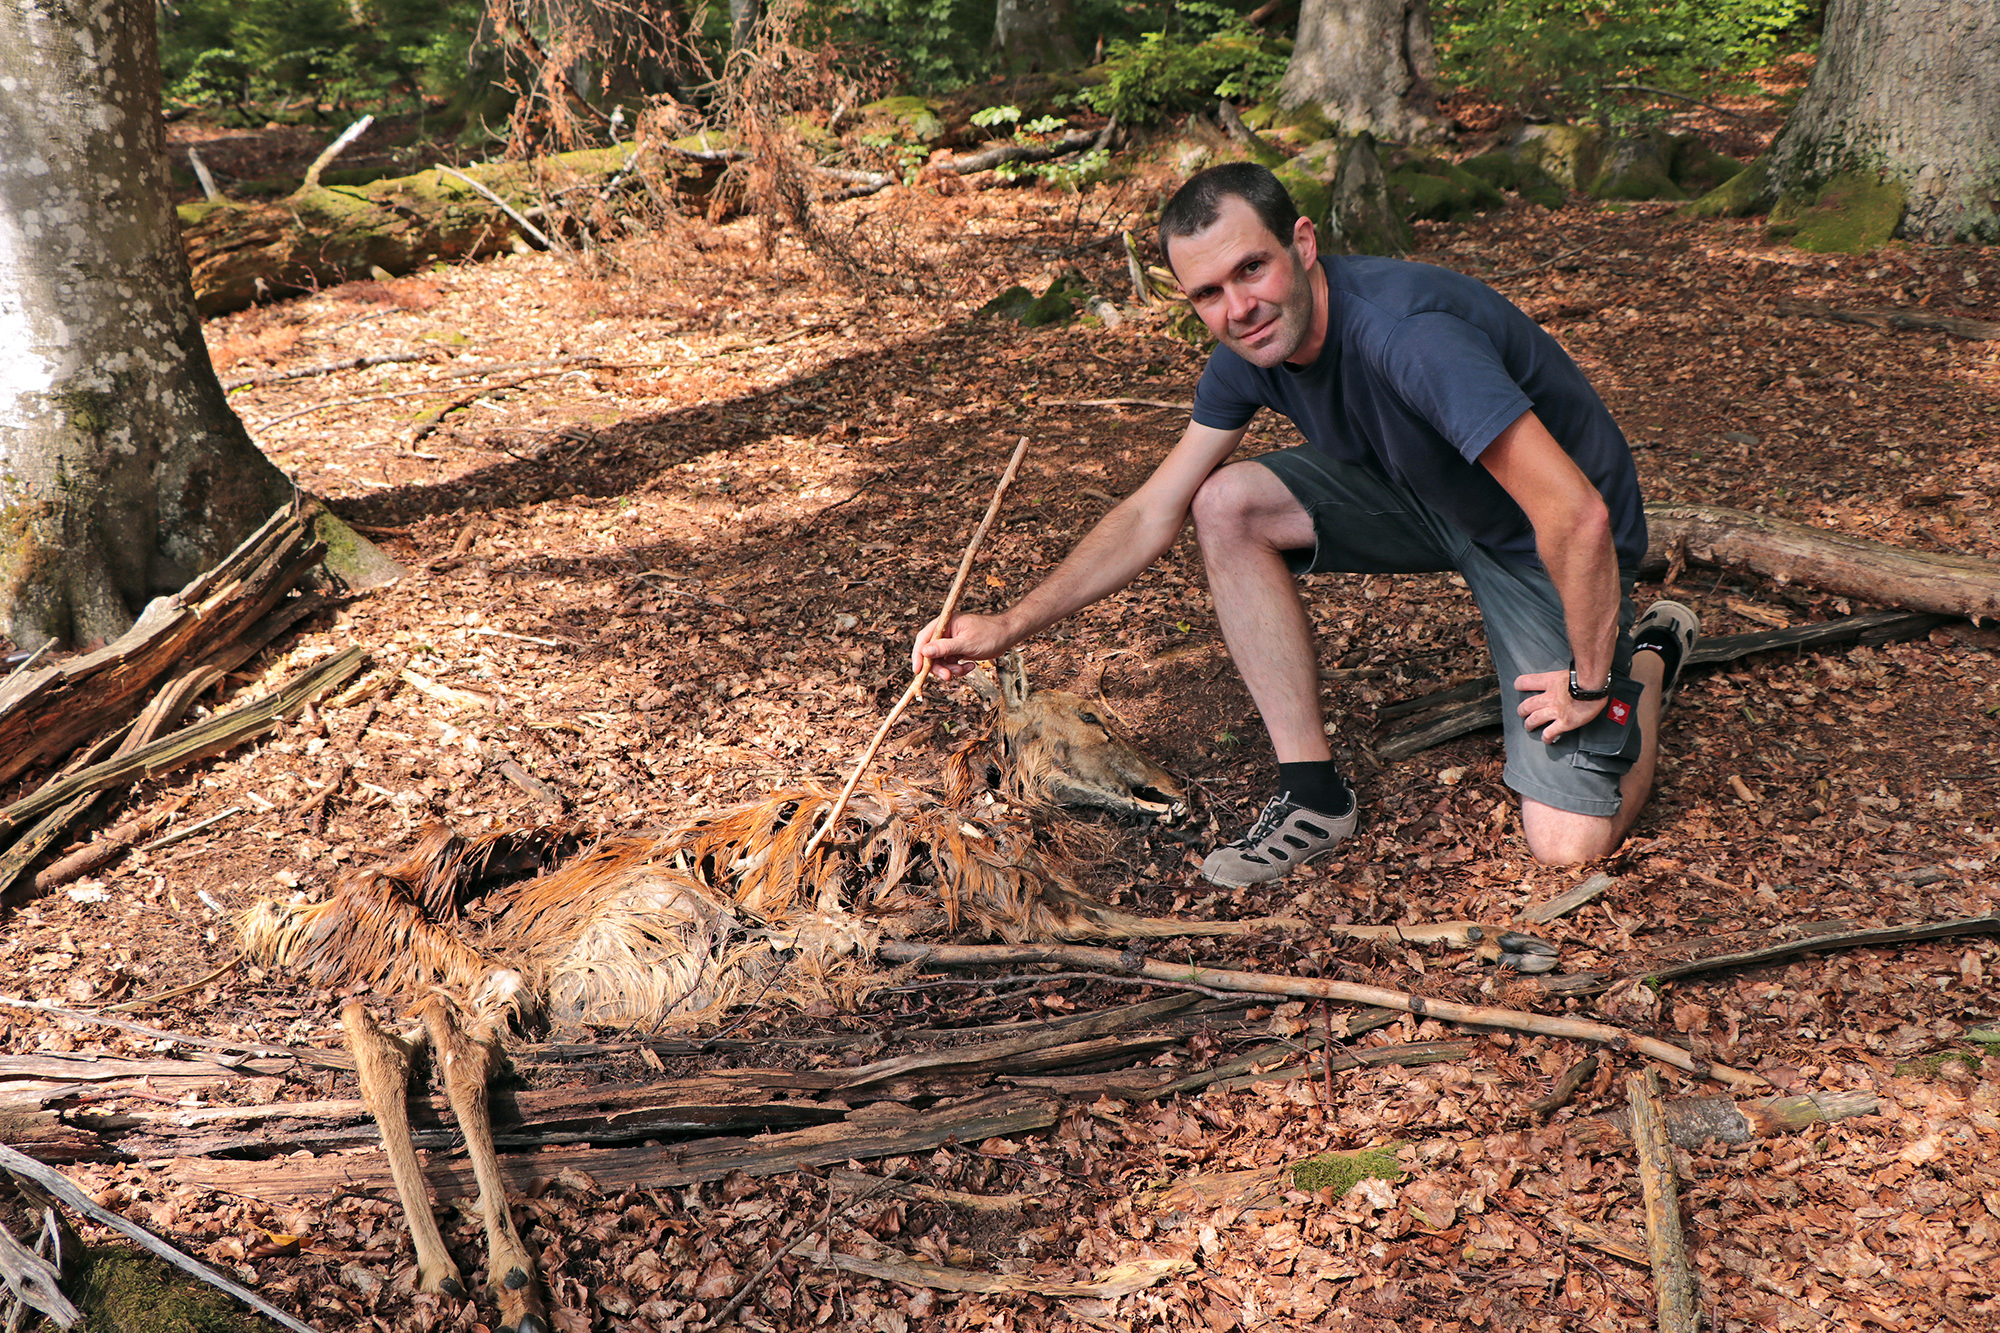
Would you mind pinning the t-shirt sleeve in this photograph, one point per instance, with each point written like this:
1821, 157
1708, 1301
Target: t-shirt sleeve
1222, 399
1450, 373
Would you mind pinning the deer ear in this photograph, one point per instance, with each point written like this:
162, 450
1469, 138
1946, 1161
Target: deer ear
1013, 679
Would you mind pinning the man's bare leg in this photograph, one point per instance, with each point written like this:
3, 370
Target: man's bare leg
1244, 517
1561, 837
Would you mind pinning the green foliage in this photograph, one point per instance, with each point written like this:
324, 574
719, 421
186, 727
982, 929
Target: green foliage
1074, 174
930, 43
1205, 51
241, 54
1565, 58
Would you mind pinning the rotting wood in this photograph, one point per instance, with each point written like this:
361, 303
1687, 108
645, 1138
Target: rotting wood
1614, 1243
59, 1185
211, 736
1409, 1055
35, 1282
1791, 940
1693, 1121
52, 711
989, 1055
866, 1134
1884, 317
1673, 1278
1565, 1088
859, 1184
1478, 699
1540, 914
1788, 552
1258, 983
1118, 1280
103, 1068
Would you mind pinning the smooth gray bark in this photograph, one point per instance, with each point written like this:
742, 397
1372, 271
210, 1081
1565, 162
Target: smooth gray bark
1034, 35
1370, 65
1909, 88
123, 472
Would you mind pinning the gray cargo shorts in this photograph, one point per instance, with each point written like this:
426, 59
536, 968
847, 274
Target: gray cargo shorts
1365, 523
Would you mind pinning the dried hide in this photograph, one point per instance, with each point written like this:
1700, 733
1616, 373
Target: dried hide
1055, 749
638, 931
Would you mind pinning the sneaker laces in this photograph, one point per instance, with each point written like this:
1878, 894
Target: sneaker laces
1276, 811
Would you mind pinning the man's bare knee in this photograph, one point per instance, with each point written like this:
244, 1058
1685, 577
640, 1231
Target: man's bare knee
1567, 839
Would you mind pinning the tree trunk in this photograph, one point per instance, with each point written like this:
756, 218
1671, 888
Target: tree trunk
1908, 90
123, 472
1368, 64
1033, 36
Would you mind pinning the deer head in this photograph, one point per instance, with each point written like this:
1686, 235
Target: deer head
1055, 746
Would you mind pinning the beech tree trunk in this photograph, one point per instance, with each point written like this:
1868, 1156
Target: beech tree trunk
1910, 90
1033, 36
1370, 65
123, 472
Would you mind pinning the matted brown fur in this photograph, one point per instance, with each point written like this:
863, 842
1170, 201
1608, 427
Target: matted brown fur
637, 931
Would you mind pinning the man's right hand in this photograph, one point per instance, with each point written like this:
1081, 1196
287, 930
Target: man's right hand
948, 652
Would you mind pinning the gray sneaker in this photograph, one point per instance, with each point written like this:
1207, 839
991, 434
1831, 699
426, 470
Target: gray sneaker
1669, 629
1285, 837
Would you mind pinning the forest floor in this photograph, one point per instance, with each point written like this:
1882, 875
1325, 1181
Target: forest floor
683, 569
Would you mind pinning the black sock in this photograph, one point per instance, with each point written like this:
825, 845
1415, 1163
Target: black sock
1661, 640
1316, 785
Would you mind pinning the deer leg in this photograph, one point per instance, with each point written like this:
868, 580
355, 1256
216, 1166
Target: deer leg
383, 1064
468, 1062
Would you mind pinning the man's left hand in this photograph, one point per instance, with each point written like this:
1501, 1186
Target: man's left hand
1549, 708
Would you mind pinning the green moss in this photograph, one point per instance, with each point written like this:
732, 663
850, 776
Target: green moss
1697, 168
1440, 191
1852, 214
1932, 1066
1057, 305
1292, 126
1342, 1171
1566, 154
1636, 168
1504, 171
903, 118
1312, 196
126, 1292
1744, 193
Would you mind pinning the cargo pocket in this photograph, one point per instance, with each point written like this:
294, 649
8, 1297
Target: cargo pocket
1609, 742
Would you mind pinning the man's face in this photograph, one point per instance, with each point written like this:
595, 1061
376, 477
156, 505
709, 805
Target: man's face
1252, 289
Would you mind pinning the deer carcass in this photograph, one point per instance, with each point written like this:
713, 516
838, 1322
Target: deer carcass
642, 931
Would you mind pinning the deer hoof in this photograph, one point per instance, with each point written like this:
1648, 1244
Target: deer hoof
454, 1287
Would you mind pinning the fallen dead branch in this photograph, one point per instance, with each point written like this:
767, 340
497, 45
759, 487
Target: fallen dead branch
1884, 317
1693, 1121
58, 1184
1787, 552
1673, 1278
1790, 940
1478, 699
1118, 1280
34, 1282
1451, 1011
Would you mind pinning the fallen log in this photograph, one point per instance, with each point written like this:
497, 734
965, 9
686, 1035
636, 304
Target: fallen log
864, 1135
1451, 1011
1692, 1121
1888, 317
1788, 552
1478, 699
1666, 1244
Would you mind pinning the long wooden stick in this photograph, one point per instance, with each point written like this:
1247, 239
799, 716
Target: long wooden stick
1673, 1279
1260, 983
915, 689
60, 1185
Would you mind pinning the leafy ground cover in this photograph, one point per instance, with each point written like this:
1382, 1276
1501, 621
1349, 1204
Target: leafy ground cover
670, 542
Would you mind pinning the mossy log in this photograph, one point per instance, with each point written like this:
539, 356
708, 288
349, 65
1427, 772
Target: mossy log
243, 252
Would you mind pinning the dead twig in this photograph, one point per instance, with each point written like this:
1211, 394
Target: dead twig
1258, 983
1673, 1279
59, 1185
915, 689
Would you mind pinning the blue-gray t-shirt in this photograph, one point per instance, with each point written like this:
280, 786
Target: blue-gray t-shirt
1422, 368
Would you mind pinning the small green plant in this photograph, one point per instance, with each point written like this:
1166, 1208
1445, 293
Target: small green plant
1073, 174
1205, 51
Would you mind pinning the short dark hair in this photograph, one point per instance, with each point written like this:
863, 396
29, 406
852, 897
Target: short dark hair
1194, 207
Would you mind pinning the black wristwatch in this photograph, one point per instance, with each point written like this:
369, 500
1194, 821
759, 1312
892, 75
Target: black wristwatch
1576, 691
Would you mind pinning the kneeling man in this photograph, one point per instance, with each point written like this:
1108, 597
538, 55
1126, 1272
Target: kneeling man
1445, 430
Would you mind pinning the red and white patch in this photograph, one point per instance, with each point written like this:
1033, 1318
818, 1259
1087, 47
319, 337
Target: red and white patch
1621, 712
